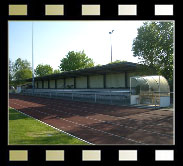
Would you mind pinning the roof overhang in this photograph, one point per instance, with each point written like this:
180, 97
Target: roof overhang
104, 69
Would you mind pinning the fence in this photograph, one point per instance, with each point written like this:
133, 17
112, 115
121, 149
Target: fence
155, 99
109, 97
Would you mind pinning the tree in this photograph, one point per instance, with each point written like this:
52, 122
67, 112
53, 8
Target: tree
23, 74
19, 71
117, 61
21, 64
10, 70
154, 47
75, 60
42, 70
56, 71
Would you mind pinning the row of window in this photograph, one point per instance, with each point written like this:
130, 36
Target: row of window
120, 80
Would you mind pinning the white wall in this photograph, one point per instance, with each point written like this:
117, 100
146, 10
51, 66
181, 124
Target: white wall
45, 84
164, 101
35, 84
128, 77
69, 82
39, 84
18, 90
81, 82
115, 80
52, 84
96, 81
60, 83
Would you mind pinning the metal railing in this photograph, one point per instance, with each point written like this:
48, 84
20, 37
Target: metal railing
109, 97
152, 98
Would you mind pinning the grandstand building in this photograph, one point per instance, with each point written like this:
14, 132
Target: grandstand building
110, 76
117, 83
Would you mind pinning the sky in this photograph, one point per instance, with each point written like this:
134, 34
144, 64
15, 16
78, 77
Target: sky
52, 40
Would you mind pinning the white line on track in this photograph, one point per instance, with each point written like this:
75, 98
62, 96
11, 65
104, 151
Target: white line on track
125, 126
129, 139
53, 127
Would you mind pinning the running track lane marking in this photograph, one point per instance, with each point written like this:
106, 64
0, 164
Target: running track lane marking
94, 112
125, 126
129, 139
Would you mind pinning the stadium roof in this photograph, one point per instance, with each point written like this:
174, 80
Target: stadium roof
104, 69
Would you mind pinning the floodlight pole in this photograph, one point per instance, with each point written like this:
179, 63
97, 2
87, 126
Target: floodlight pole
159, 88
110, 33
159, 83
32, 58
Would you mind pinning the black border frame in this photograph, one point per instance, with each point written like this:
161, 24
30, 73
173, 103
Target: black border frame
73, 154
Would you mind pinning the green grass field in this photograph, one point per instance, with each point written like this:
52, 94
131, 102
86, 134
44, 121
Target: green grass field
24, 130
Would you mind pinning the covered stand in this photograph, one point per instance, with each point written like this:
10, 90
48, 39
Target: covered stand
150, 90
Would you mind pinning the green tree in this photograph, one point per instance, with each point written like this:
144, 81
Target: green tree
23, 74
117, 61
10, 70
19, 71
154, 48
56, 71
75, 60
42, 70
21, 64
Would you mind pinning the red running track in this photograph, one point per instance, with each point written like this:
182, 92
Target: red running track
100, 123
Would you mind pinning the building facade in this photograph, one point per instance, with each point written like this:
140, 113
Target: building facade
111, 76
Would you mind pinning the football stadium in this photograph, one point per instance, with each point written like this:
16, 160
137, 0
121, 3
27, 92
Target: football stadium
108, 104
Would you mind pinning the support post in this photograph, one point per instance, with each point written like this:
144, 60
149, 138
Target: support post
64, 83
48, 84
42, 84
74, 82
88, 82
126, 80
55, 83
104, 80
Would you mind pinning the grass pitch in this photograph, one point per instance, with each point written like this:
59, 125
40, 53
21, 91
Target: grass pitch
24, 130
